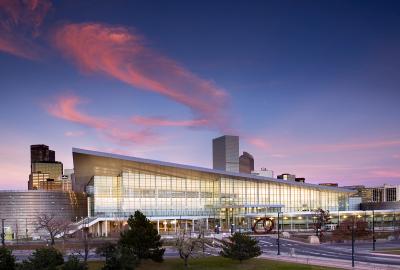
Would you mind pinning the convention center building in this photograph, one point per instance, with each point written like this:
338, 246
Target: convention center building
170, 193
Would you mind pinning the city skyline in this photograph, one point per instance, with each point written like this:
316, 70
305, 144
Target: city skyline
310, 88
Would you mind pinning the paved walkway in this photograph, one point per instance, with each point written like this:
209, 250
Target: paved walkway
342, 264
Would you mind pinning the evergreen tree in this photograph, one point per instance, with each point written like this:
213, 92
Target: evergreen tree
117, 257
142, 239
240, 247
74, 263
7, 260
43, 259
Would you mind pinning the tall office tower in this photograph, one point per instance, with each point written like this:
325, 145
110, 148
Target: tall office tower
246, 163
46, 173
41, 153
226, 153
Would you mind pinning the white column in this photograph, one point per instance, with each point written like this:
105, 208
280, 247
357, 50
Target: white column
186, 225
175, 226
98, 229
158, 226
291, 223
192, 225
206, 224
106, 228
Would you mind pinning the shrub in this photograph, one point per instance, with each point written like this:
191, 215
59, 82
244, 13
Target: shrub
74, 263
7, 260
43, 259
117, 257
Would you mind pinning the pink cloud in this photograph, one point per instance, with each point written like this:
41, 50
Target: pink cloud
258, 142
122, 53
385, 173
19, 26
65, 107
160, 121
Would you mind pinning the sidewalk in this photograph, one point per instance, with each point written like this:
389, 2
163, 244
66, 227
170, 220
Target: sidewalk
336, 263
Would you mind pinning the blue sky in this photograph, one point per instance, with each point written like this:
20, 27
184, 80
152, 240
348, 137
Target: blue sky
310, 87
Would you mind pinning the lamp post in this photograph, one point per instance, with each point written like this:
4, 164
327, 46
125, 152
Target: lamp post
278, 239
2, 233
373, 230
352, 243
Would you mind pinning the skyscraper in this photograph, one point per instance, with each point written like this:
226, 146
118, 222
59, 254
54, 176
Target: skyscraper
226, 153
46, 172
246, 163
41, 153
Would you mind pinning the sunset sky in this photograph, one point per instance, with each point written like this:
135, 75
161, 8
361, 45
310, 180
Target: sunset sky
311, 87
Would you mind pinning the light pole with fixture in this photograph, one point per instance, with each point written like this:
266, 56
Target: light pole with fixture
278, 239
373, 230
2, 232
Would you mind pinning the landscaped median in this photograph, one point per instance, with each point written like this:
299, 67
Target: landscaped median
390, 251
216, 263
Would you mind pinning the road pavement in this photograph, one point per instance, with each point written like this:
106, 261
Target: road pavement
331, 251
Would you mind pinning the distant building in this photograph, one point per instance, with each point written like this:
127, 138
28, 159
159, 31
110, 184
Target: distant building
329, 184
41, 153
386, 193
361, 191
287, 176
246, 163
46, 172
377, 198
264, 172
54, 169
226, 153
67, 179
354, 203
300, 179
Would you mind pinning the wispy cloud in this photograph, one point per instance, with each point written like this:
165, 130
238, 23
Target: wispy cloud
74, 133
385, 173
65, 107
162, 121
258, 142
19, 26
123, 54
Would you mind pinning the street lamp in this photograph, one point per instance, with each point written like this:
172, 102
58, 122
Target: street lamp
352, 242
2, 232
278, 239
373, 230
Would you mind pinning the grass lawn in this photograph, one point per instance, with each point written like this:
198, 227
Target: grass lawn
395, 251
217, 263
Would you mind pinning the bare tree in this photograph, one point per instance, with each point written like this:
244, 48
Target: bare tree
320, 218
85, 239
54, 225
189, 247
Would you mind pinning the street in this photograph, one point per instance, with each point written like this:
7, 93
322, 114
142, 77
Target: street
334, 251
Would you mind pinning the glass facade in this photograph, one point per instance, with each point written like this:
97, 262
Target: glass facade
119, 185
53, 169
118, 188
